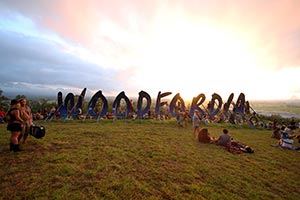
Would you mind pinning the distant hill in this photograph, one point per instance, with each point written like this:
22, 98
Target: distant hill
284, 108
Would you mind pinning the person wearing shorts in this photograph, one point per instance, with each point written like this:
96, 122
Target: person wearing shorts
14, 124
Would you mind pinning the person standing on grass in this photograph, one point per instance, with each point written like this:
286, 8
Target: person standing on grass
224, 139
14, 124
196, 123
186, 117
26, 115
180, 118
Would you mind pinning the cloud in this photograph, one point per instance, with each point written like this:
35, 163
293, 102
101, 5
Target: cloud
116, 29
116, 45
41, 64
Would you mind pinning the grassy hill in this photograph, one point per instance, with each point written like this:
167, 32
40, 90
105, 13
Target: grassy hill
148, 160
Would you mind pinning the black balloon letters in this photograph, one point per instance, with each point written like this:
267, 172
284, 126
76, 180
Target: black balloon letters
213, 107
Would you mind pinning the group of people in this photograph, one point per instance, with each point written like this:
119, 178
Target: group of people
19, 121
182, 118
287, 137
203, 135
225, 140
2, 116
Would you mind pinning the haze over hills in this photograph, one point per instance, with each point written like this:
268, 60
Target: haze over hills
52, 94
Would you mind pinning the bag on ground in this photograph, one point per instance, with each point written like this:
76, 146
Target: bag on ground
37, 131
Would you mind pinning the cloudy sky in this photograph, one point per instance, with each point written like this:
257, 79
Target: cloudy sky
179, 46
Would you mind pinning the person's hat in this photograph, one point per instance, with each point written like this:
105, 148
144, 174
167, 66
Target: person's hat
14, 102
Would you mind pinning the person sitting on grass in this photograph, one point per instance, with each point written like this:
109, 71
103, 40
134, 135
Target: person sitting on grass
234, 147
224, 139
203, 136
276, 133
286, 141
292, 125
2, 115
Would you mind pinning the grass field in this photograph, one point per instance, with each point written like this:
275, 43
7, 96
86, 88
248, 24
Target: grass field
148, 160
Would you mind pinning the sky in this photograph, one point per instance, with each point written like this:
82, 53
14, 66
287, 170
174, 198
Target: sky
179, 46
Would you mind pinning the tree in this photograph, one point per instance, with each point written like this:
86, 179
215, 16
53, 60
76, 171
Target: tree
20, 96
4, 101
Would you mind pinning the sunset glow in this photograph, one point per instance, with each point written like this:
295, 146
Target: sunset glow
187, 47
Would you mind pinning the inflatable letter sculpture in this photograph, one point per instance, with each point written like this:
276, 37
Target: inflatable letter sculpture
159, 103
212, 110
116, 105
196, 103
68, 108
180, 104
140, 111
92, 104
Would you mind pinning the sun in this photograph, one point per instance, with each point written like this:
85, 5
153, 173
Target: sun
196, 58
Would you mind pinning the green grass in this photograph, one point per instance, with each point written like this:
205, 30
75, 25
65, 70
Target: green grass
148, 160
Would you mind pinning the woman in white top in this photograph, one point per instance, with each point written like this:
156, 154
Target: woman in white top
196, 123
